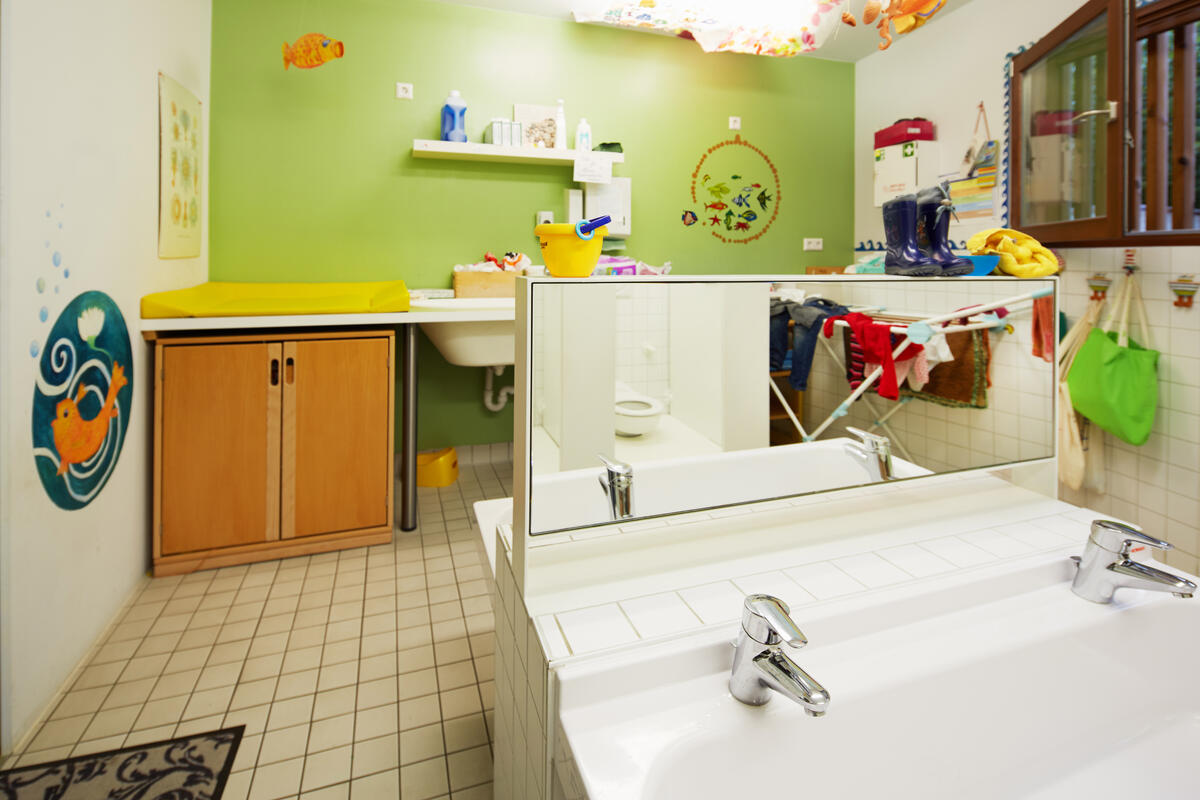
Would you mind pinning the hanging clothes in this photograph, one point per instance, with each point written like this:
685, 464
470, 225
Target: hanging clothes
876, 341
807, 318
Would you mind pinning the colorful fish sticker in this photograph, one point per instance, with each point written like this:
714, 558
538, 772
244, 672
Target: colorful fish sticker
748, 215
735, 177
728, 220
312, 50
763, 198
689, 218
715, 206
719, 190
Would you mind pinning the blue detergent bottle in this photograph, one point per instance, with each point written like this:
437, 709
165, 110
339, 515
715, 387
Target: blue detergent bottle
454, 118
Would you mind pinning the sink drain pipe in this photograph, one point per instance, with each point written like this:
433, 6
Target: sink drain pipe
501, 399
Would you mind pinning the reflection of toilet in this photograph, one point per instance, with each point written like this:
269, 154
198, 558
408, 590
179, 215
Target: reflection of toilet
636, 413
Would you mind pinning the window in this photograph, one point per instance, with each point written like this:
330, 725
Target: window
1104, 142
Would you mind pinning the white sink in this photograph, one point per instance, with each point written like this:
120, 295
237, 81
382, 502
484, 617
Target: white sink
471, 341
1001, 685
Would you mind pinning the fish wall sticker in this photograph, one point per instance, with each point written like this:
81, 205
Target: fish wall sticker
738, 187
82, 400
312, 50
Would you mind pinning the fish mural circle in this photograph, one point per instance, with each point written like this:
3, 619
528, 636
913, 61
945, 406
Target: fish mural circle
82, 400
735, 192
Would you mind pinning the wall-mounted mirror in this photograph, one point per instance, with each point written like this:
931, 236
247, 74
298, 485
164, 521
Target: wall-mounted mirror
658, 396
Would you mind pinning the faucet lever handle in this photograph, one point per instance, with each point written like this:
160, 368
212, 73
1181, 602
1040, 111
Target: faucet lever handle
767, 620
615, 467
1118, 537
872, 440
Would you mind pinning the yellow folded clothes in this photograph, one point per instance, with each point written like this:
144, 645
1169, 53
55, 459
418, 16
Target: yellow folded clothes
229, 299
1020, 254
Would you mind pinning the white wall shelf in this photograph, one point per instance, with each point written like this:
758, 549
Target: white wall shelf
478, 151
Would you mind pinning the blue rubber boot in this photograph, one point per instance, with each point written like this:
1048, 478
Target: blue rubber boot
904, 257
933, 220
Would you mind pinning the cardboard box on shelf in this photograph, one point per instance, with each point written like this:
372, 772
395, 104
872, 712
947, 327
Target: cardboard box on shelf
485, 284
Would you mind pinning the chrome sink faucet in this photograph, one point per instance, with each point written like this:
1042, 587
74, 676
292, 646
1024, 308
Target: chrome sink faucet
617, 483
760, 666
1106, 566
874, 454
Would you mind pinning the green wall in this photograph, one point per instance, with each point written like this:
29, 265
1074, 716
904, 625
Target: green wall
312, 177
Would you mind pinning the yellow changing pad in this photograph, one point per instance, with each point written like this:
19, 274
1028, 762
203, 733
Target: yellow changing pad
227, 299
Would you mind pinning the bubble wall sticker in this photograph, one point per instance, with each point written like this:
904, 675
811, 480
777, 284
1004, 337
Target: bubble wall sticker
82, 399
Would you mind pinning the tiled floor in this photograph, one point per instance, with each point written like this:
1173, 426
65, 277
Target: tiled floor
358, 675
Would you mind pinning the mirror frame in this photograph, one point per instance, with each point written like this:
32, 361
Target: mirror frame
523, 539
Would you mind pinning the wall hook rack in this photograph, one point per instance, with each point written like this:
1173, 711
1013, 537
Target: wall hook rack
1185, 290
1099, 284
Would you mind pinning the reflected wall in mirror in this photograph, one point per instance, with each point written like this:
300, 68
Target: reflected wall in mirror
653, 397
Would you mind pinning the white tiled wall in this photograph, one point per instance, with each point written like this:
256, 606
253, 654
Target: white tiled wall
1016, 424
1157, 484
522, 687
643, 344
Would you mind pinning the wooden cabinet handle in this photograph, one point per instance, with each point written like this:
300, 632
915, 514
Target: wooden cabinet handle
274, 371
290, 372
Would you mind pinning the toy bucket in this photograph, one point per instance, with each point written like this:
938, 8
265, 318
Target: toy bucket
572, 250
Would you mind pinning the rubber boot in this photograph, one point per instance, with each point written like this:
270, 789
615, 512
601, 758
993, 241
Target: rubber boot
900, 226
936, 229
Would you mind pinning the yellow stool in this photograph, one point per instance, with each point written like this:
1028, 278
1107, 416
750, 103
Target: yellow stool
437, 468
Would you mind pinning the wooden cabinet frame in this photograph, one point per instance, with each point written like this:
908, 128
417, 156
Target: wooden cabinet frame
274, 545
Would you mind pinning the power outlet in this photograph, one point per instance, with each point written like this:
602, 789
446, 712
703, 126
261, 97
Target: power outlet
404, 91
735, 123
814, 244
543, 218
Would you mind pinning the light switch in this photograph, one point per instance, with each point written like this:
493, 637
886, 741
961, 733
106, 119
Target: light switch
735, 123
404, 91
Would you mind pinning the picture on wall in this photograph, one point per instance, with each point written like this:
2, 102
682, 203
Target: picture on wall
180, 148
82, 400
735, 192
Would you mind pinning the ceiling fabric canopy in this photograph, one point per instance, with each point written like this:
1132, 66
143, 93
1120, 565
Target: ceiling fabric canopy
758, 27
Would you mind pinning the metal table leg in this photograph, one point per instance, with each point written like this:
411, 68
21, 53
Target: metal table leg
408, 429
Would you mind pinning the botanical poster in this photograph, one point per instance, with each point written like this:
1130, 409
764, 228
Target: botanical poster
179, 137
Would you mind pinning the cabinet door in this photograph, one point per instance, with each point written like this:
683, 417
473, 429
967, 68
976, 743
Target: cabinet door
219, 443
336, 418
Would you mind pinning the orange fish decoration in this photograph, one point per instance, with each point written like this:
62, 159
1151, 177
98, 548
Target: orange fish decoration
312, 50
77, 439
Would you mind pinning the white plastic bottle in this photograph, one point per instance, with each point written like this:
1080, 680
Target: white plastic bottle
583, 135
560, 128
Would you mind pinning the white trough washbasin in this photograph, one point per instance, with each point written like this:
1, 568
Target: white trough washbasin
472, 342
574, 499
1004, 686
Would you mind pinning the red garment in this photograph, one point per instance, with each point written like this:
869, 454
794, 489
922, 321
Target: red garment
1043, 328
876, 340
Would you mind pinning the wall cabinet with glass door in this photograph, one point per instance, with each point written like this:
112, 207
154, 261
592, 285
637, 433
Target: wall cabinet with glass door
1104, 136
269, 446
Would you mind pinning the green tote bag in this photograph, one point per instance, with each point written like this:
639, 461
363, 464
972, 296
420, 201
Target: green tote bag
1114, 380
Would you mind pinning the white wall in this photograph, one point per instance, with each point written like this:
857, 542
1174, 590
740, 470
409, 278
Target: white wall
80, 137
941, 72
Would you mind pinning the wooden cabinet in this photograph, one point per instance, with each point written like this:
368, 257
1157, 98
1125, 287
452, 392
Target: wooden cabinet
270, 446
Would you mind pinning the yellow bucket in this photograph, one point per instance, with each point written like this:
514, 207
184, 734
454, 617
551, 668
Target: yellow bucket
437, 468
565, 253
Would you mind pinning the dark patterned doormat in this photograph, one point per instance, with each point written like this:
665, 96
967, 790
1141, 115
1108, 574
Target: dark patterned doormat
188, 768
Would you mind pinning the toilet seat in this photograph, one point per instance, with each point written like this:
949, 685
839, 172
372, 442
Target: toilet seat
636, 413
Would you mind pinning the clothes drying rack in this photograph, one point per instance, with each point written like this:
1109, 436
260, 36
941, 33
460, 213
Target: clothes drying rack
919, 332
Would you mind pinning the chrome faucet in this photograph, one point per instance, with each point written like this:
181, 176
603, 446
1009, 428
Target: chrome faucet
760, 666
1106, 566
874, 454
617, 483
